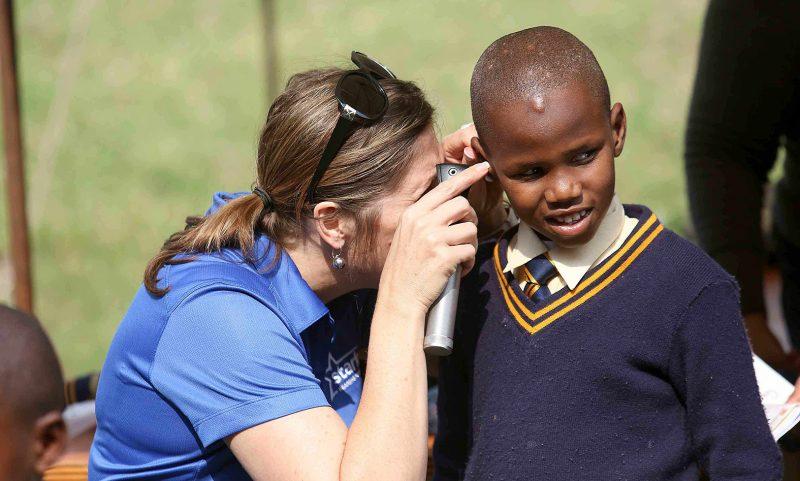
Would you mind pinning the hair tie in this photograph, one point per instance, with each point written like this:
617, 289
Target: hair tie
265, 199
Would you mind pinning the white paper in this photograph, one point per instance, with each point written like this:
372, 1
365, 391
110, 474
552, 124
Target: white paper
775, 391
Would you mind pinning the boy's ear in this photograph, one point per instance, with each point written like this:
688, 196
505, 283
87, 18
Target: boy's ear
49, 440
480, 152
619, 127
333, 227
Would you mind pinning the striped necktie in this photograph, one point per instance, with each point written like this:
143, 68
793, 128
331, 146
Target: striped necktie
538, 272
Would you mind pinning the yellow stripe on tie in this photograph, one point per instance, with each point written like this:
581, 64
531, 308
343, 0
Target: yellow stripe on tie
531, 289
528, 275
522, 275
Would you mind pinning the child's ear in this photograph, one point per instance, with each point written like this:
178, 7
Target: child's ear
619, 127
475, 143
49, 440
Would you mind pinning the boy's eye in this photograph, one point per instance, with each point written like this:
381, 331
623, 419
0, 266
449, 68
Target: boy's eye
531, 174
585, 157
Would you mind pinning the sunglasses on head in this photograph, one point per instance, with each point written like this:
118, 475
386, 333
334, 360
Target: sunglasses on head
362, 100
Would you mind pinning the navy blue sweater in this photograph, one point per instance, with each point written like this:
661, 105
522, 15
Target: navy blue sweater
642, 372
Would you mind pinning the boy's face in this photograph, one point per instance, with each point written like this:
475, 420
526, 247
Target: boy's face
554, 157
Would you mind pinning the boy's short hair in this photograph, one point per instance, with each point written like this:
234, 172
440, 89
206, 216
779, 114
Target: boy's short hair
31, 381
526, 64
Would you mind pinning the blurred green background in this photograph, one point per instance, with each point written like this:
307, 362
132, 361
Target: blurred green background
136, 112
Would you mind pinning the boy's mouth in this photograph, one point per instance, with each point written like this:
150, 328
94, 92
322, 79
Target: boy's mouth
570, 224
569, 218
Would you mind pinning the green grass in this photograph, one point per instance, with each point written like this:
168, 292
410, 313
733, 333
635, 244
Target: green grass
162, 103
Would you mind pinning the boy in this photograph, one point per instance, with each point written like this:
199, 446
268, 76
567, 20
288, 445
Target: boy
32, 432
592, 343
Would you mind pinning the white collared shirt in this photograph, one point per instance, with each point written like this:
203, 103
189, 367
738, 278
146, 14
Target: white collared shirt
572, 263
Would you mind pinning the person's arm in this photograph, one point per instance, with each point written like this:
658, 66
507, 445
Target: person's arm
739, 105
387, 439
711, 369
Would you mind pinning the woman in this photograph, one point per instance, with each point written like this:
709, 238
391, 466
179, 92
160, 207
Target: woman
237, 358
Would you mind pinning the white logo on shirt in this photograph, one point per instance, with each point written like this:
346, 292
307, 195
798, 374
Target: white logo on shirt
342, 372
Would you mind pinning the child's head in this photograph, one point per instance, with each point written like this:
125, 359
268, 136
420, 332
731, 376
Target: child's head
31, 398
542, 109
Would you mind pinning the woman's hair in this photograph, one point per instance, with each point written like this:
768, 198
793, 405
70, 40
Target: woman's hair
370, 164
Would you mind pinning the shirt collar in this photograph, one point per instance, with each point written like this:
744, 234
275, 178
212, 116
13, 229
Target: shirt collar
296, 298
298, 302
571, 263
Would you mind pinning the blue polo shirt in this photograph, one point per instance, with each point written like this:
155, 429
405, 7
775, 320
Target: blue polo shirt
230, 346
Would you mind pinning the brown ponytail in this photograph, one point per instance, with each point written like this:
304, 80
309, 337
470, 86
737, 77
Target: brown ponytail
233, 225
370, 165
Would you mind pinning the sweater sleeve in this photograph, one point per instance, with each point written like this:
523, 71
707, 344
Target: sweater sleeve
740, 103
711, 368
453, 445
451, 449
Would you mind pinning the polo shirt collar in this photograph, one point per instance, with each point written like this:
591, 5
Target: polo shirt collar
571, 263
298, 301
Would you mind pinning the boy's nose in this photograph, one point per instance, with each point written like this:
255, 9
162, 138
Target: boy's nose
563, 191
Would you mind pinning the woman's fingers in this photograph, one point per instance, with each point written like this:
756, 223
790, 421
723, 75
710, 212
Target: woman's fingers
463, 238
463, 233
465, 255
452, 187
457, 209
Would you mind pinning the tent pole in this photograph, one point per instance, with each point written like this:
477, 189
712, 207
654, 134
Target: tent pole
270, 49
15, 168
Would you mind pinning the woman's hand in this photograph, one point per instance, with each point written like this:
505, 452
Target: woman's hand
435, 234
486, 196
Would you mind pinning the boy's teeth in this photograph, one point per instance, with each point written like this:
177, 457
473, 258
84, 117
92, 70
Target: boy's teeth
571, 219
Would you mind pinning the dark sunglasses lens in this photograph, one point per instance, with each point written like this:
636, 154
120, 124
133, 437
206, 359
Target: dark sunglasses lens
359, 93
372, 66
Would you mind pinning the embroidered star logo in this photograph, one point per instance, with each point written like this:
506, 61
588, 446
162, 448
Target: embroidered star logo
342, 372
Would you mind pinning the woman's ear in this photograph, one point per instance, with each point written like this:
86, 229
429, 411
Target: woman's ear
334, 228
619, 127
49, 440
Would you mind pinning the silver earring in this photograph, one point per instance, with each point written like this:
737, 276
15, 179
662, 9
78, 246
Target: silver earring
338, 261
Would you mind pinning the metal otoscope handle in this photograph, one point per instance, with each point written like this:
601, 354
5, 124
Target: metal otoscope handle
442, 314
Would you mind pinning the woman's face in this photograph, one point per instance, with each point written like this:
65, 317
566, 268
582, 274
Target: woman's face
420, 178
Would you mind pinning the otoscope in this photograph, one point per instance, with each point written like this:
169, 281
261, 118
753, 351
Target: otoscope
442, 314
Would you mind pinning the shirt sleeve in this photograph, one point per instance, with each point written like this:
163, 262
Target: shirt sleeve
742, 98
711, 368
228, 362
